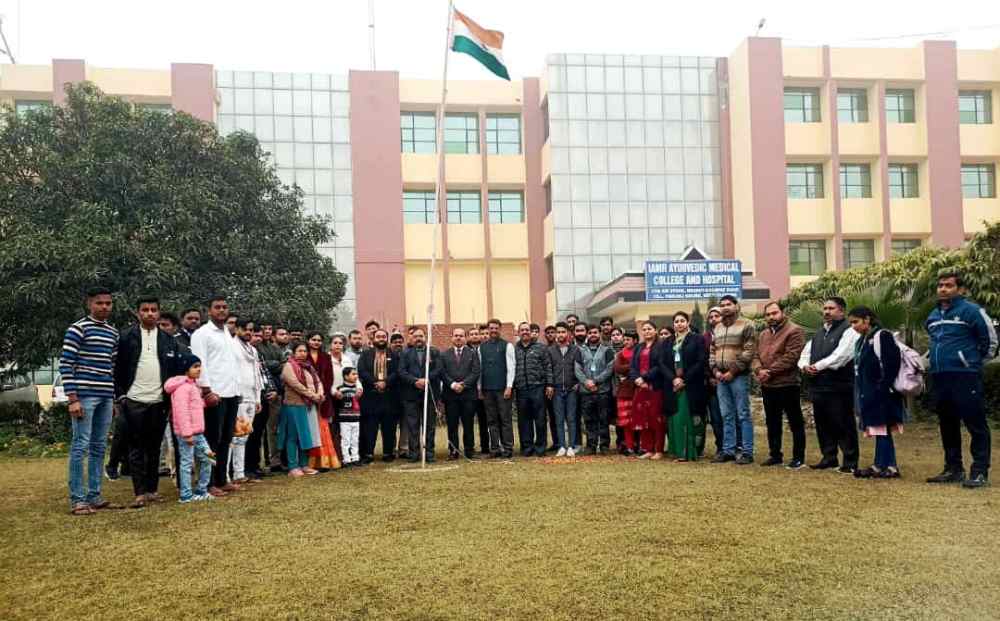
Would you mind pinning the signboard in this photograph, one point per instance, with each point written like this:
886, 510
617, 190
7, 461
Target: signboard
693, 280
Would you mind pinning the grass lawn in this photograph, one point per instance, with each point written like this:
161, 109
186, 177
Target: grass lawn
600, 539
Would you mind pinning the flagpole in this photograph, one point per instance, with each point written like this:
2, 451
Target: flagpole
438, 185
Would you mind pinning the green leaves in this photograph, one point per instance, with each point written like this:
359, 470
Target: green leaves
901, 290
101, 192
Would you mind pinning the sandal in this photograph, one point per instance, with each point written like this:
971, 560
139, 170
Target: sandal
139, 503
868, 473
154, 498
105, 504
82, 509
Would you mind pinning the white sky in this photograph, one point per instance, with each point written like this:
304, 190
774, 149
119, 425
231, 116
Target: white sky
332, 35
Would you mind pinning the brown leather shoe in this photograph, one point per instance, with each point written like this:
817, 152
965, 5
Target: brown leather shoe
215, 491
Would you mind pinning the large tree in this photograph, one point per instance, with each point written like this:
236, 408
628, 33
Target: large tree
103, 192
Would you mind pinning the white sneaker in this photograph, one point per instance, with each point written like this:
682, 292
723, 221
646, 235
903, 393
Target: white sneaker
570, 452
562, 452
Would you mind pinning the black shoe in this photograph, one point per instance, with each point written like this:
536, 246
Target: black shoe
823, 465
771, 461
430, 459
722, 458
452, 456
527, 452
111, 473
507, 455
977, 481
413, 459
744, 460
847, 469
889, 473
389, 458
796, 464
471, 456
552, 449
275, 469
367, 459
870, 472
948, 475
485, 452
164, 472
627, 453
496, 455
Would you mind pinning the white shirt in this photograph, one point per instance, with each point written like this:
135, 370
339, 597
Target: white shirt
251, 382
843, 354
220, 362
146, 387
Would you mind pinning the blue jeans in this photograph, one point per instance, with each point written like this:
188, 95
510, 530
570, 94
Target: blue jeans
90, 438
564, 407
885, 451
189, 453
734, 403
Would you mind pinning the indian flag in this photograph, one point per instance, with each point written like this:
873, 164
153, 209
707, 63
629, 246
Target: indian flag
484, 45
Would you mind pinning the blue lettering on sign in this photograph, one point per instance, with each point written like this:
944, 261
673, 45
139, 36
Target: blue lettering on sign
693, 280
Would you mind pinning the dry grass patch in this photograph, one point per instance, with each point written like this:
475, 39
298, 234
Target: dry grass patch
608, 539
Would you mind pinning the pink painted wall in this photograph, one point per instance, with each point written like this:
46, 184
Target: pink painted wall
534, 198
838, 223
66, 71
767, 144
944, 159
192, 90
378, 196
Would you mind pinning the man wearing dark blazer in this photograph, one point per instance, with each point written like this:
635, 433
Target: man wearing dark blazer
411, 378
459, 372
378, 369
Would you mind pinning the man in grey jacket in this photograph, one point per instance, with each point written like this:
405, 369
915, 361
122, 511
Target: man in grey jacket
594, 367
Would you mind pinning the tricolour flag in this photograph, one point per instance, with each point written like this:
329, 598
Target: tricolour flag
484, 45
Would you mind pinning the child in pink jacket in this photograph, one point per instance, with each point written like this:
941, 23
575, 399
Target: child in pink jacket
188, 415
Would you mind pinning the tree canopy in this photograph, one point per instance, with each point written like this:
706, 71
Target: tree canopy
902, 288
103, 192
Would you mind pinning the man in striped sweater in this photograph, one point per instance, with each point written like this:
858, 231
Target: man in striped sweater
731, 354
87, 367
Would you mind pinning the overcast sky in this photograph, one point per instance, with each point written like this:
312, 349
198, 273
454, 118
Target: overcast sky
332, 35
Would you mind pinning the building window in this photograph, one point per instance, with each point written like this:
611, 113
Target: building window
975, 107
855, 181
903, 181
899, 106
464, 208
503, 134
902, 246
417, 131
802, 105
461, 133
419, 207
979, 181
506, 207
21, 106
858, 252
804, 180
807, 257
852, 105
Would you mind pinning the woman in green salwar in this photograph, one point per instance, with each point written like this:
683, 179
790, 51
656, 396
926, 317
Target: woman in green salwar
684, 366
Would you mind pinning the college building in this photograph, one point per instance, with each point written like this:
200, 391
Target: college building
559, 188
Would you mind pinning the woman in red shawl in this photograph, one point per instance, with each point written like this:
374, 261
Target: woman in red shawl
324, 456
626, 391
647, 405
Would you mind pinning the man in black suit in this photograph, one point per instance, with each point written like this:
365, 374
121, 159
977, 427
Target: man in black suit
459, 373
413, 387
378, 368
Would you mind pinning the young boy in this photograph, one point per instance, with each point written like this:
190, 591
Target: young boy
188, 416
349, 415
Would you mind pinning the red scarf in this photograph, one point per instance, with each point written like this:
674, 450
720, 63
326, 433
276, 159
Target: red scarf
300, 369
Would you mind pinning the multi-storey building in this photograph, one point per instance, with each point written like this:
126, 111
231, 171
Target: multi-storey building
559, 188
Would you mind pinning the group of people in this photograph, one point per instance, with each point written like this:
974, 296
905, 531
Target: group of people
243, 400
